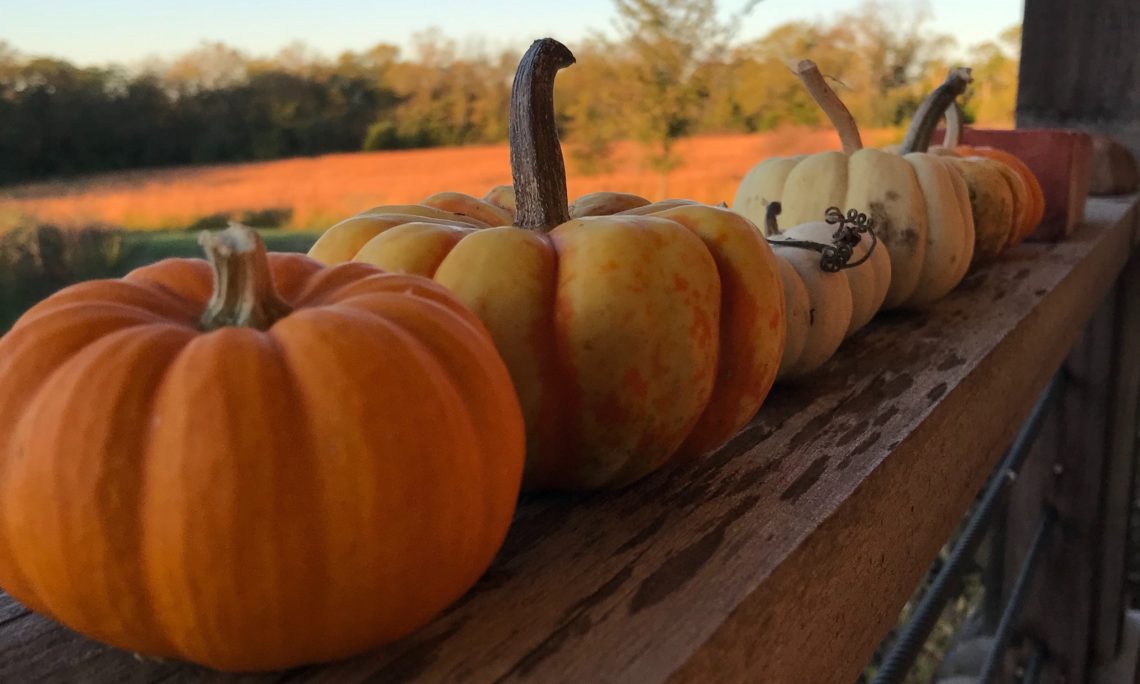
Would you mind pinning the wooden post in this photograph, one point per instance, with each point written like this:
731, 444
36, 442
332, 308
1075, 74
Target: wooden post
1080, 67
1082, 466
1120, 471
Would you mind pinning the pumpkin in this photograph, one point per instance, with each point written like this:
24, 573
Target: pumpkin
999, 200
825, 302
448, 214
919, 204
1033, 197
632, 339
291, 466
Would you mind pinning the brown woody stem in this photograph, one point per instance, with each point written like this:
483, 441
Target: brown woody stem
830, 103
932, 109
243, 285
537, 168
953, 135
771, 225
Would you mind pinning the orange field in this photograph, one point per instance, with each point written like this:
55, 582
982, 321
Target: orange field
321, 190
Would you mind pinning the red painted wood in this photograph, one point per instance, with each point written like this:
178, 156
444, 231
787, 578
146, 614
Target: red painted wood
1059, 158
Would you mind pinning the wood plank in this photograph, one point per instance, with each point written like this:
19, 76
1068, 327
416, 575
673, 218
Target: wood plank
1112, 553
1076, 606
1067, 473
787, 554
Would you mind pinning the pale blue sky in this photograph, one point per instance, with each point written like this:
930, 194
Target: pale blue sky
126, 31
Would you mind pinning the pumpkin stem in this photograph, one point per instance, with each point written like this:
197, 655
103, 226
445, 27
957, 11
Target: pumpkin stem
830, 103
836, 256
953, 135
932, 109
537, 168
243, 285
771, 225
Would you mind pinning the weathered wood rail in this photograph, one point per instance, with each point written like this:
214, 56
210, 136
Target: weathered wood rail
784, 557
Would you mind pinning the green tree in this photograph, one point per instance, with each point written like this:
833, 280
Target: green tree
665, 45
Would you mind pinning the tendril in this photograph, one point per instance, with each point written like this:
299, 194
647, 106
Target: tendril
836, 256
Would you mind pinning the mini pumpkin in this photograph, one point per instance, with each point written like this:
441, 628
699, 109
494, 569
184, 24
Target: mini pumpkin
919, 204
632, 339
826, 299
292, 465
999, 200
1033, 197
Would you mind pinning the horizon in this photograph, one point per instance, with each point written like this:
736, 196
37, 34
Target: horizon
134, 32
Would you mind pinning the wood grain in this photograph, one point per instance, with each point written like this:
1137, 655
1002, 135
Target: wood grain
1112, 555
1080, 67
784, 556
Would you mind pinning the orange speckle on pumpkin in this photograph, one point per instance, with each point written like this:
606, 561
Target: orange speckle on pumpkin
635, 383
679, 283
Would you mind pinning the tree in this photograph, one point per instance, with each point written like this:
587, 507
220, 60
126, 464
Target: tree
994, 97
211, 66
666, 44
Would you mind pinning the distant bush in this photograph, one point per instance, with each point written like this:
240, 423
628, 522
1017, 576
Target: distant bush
277, 217
266, 218
35, 262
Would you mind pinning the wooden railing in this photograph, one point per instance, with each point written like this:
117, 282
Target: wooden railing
786, 555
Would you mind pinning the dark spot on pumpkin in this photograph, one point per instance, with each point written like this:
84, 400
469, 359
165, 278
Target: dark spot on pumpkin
1041, 292
680, 567
999, 295
883, 225
936, 392
892, 195
1022, 274
806, 480
952, 361
811, 316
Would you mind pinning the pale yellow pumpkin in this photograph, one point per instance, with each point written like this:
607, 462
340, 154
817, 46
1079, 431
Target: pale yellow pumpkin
999, 199
823, 308
919, 204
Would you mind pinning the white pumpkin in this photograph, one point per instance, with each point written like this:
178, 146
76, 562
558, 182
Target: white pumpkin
824, 308
920, 204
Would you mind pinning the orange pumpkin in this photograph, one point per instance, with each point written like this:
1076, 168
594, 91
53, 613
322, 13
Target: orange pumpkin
294, 466
632, 339
1035, 204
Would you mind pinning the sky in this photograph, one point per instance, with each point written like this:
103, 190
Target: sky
128, 31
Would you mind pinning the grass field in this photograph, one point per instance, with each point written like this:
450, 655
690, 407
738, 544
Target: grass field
313, 193
56, 233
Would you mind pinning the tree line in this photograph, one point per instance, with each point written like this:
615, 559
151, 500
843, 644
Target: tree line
666, 69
